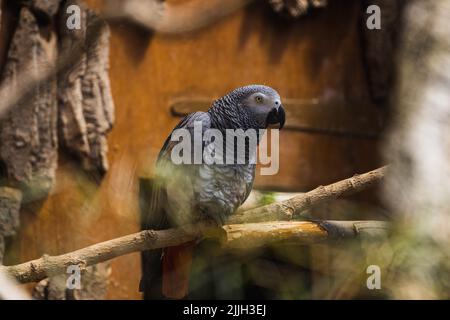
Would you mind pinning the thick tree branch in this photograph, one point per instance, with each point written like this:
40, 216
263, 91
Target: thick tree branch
242, 236
46, 266
232, 235
293, 208
252, 235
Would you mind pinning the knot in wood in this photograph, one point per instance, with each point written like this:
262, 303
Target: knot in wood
33, 267
352, 182
287, 211
81, 264
150, 236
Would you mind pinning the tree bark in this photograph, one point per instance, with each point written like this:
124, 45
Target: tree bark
93, 285
28, 137
232, 236
293, 208
10, 202
84, 92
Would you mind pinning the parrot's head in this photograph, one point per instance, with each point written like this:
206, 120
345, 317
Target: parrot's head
263, 104
257, 106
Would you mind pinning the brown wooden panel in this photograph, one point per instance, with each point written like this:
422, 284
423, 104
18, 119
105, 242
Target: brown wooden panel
302, 59
312, 116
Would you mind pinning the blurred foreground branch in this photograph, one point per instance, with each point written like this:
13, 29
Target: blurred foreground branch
418, 187
172, 18
232, 236
9, 290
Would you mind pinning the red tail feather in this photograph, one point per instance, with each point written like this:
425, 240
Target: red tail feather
177, 262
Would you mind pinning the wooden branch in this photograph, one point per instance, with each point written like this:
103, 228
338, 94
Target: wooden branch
293, 208
46, 266
232, 236
252, 235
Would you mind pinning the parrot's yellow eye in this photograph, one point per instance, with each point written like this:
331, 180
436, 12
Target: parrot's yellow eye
259, 99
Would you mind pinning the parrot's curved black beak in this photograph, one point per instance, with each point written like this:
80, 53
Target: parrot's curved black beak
277, 116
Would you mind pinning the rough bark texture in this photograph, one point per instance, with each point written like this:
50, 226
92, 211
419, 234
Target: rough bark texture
295, 207
380, 47
233, 236
418, 190
253, 235
28, 128
48, 266
94, 285
28, 137
84, 93
10, 200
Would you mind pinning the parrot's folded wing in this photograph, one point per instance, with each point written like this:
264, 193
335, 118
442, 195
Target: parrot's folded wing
153, 215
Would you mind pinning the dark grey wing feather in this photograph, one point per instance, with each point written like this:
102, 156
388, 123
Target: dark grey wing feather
249, 185
153, 215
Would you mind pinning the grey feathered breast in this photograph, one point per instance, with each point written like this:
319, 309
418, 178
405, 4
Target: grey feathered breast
194, 192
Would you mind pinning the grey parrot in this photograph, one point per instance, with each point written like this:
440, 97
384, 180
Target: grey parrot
187, 193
